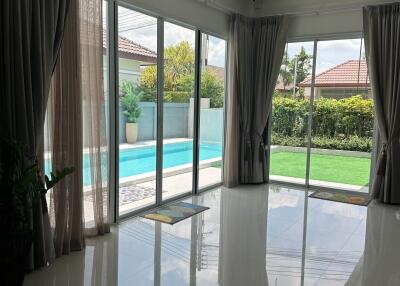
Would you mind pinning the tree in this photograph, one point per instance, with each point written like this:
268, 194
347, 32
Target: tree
212, 88
286, 75
288, 67
304, 64
179, 78
179, 62
131, 96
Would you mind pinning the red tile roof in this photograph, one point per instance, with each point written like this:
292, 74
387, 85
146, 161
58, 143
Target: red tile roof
343, 75
131, 50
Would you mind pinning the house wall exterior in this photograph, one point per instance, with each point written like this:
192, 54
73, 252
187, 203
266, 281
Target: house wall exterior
337, 92
177, 122
128, 70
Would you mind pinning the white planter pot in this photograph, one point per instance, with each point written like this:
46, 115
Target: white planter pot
131, 130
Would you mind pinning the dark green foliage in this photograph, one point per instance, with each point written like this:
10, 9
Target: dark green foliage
300, 65
336, 124
147, 94
177, 96
179, 78
21, 185
130, 99
304, 64
351, 143
212, 88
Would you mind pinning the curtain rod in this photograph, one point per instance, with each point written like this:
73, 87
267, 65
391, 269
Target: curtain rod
223, 8
326, 11
323, 12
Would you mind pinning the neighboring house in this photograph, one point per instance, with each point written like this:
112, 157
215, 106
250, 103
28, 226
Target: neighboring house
281, 87
132, 57
344, 80
219, 72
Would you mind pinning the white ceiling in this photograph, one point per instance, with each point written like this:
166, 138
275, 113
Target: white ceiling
273, 7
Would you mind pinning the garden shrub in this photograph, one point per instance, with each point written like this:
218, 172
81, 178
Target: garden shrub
177, 96
345, 124
351, 143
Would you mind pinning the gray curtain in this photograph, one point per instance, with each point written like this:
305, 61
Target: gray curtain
31, 34
256, 47
382, 46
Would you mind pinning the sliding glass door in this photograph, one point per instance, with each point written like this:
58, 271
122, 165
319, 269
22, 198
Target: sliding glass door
322, 117
290, 110
137, 109
342, 121
160, 103
212, 100
178, 110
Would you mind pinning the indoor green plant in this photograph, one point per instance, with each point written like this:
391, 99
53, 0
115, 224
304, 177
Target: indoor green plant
130, 99
22, 186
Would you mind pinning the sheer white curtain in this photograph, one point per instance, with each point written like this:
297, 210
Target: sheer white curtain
94, 117
76, 131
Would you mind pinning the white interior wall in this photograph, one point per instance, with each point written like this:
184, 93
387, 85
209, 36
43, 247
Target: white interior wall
243, 7
317, 18
309, 19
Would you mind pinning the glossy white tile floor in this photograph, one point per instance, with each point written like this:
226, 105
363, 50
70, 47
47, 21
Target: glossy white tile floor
253, 235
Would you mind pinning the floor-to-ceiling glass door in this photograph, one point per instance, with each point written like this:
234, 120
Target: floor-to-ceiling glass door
290, 115
137, 109
343, 117
178, 110
159, 106
212, 102
322, 116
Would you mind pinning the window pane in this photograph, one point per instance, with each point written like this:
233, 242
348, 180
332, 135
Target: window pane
343, 117
290, 111
179, 56
212, 93
137, 46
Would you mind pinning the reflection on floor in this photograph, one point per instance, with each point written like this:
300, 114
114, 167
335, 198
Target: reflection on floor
133, 198
252, 235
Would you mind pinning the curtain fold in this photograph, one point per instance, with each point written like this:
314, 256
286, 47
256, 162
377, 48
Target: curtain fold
77, 131
95, 139
256, 47
382, 46
65, 139
31, 33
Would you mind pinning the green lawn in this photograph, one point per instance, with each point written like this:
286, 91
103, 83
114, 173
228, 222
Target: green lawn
328, 168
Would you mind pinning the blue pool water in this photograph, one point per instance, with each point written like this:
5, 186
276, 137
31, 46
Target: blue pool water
136, 161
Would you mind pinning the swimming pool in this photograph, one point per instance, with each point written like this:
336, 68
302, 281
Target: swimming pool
140, 160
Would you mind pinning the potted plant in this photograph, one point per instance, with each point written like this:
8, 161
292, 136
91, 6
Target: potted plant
22, 186
130, 99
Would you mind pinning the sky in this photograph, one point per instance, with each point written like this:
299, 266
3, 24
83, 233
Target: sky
329, 53
142, 29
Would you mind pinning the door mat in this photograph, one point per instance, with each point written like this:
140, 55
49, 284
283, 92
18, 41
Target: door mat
174, 213
355, 198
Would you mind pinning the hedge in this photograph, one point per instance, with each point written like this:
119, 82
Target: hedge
351, 143
345, 124
150, 95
